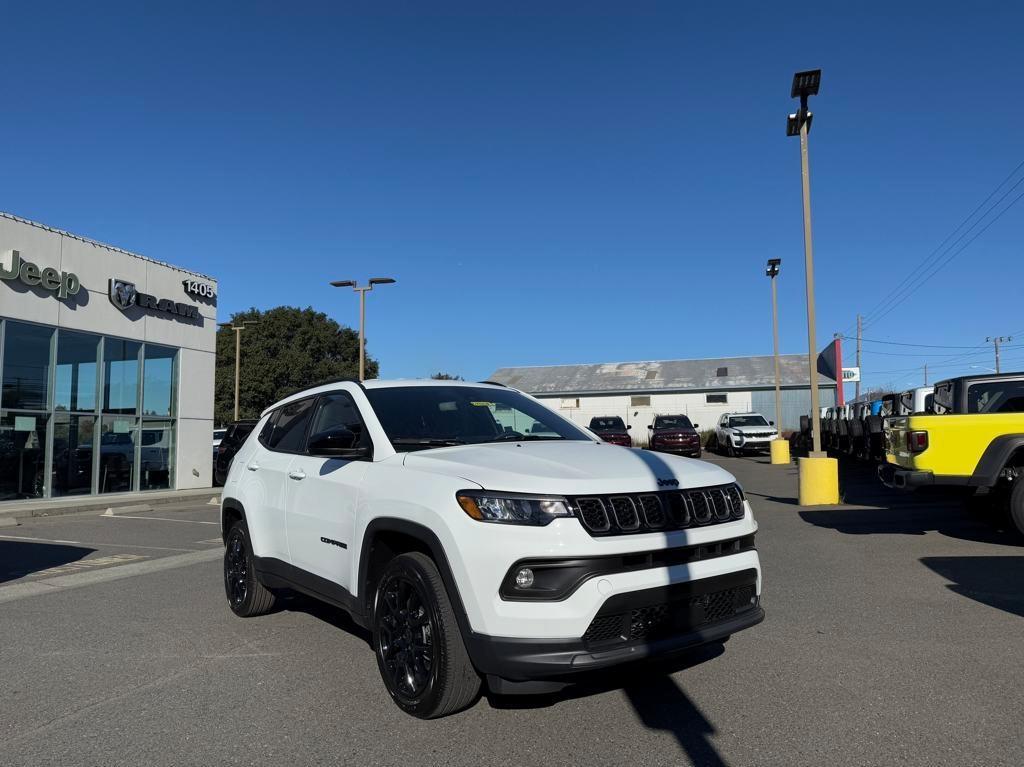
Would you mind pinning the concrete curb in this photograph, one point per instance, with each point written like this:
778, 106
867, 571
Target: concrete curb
8, 522
101, 504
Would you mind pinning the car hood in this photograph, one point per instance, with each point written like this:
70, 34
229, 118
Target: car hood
672, 431
752, 429
566, 468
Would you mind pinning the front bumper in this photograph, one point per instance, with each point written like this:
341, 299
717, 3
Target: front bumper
630, 626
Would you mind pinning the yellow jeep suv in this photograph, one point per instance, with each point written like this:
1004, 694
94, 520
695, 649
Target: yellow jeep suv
974, 438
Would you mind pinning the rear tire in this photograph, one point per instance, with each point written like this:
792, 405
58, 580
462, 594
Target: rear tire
1017, 505
247, 597
420, 653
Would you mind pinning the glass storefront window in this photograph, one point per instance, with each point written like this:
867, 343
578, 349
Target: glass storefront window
75, 377
72, 453
120, 376
158, 381
22, 455
157, 455
117, 453
26, 366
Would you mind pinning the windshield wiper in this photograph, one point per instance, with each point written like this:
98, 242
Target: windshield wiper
523, 437
426, 442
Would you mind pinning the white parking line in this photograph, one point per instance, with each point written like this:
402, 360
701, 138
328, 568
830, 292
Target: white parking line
161, 519
89, 578
97, 545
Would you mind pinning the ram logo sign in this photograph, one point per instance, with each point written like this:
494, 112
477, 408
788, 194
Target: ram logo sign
124, 295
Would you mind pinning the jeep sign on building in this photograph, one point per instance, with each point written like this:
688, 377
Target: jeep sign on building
107, 361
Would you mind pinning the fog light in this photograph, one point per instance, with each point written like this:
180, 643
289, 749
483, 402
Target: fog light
524, 578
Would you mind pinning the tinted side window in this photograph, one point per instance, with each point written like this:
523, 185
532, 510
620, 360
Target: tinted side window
996, 397
289, 434
268, 429
336, 410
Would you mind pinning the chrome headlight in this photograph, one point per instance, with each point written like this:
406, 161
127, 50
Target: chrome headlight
513, 508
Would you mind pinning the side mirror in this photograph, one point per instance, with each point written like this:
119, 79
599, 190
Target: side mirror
629, 427
771, 423
650, 426
338, 442
696, 426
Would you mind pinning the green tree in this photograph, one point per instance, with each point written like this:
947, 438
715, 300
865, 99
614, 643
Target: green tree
289, 349
446, 377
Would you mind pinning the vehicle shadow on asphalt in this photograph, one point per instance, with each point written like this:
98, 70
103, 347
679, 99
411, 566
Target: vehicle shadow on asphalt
992, 581
335, 616
658, 699
21, 558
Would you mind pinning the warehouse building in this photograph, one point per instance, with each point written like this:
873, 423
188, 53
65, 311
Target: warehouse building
700, 389
106, 364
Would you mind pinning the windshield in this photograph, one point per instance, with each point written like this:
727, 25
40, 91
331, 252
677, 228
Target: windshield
418, 417
607, 424
672, 422
749, 420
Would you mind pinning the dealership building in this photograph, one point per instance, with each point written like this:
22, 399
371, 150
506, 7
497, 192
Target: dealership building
107, 366
701, 389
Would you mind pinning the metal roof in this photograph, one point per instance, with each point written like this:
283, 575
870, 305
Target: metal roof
659, 376
99, 244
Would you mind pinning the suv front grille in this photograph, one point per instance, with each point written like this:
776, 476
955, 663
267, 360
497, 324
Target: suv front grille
648, 512
669, 618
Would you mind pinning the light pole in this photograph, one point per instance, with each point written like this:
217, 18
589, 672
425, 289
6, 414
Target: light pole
362, 291
238, 351
772, 271
806, 84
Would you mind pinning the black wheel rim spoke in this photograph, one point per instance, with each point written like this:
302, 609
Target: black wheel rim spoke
405, 637
236, 570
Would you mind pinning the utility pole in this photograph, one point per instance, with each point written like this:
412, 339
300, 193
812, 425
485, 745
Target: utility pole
860, 330
926, 374
996, 340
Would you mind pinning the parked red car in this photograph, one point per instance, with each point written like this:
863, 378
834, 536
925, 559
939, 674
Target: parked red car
675, 434
611, 429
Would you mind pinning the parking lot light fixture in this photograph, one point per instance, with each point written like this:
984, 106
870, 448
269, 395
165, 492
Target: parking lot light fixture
238, 350
772, 271
806, 84
362, 291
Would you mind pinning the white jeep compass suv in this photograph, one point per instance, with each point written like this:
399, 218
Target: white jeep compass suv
478, 534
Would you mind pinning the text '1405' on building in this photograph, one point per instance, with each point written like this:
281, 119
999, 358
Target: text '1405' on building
107, 366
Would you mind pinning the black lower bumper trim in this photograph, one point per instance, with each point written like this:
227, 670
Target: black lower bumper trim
524, 659
908, 479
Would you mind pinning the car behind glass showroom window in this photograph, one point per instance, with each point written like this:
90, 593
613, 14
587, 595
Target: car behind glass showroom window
289, 427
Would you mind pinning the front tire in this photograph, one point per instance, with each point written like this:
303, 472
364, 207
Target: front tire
420, 653
247, 597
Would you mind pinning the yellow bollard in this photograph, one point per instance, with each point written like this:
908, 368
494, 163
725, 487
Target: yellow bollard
819, 481
780, 451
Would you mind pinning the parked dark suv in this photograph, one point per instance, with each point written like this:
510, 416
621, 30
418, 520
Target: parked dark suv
611, 429
675, 434
233, 439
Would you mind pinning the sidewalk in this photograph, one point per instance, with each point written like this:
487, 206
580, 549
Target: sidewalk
38, 507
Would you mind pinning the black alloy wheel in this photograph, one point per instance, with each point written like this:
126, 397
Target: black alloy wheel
236, 569
416, 637
406, 637
247, 597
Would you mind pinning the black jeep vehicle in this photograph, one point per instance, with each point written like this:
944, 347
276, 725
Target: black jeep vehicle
233, 439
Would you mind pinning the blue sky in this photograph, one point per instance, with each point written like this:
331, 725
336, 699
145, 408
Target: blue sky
549, 182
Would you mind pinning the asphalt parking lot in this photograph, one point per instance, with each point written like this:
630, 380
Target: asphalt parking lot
894, 634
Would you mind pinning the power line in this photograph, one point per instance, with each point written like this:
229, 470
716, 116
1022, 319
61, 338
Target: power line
938, 267
942, 244
905, 343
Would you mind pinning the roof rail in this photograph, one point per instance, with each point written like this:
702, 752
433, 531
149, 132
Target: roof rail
494, 383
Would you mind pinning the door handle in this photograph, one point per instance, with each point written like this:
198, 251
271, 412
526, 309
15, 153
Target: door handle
300, 474
252, 466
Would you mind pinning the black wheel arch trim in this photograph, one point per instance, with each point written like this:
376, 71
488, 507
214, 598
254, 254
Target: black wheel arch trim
229, 504
995, 458
429, 538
